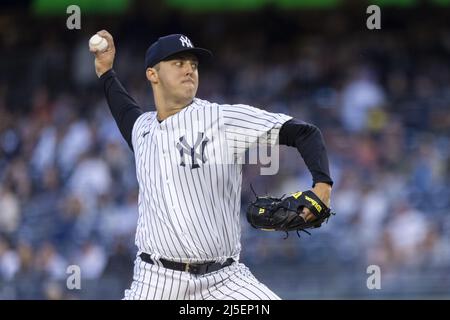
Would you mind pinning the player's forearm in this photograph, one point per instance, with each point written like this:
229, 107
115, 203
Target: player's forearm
308, 140
122, 106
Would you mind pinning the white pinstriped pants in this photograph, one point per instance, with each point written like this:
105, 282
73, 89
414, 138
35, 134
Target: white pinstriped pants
234, 282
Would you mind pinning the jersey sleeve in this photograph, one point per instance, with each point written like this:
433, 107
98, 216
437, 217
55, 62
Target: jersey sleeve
246, 127
141, 127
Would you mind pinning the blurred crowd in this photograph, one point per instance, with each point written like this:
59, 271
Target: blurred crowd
68, 190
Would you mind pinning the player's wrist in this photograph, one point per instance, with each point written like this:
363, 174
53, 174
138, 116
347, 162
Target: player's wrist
100, 71
323, 191
104, 72
323, 186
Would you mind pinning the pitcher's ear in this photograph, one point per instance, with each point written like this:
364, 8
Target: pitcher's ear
152, 75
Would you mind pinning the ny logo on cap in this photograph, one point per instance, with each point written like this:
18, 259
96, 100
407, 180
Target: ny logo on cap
196, 155
185, 42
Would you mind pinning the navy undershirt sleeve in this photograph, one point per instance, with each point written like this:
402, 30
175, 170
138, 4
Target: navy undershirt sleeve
308, 140
122, 106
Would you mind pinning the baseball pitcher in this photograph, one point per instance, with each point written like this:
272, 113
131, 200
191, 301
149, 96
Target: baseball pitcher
188, 167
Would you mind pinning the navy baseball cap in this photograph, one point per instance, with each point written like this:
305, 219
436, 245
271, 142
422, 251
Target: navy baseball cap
166, 46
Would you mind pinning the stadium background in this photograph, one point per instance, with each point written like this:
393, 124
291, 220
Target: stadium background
68, 190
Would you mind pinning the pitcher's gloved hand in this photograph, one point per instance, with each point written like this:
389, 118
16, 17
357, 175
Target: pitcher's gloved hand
284, 214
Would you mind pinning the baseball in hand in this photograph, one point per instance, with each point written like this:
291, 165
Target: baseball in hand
97, 43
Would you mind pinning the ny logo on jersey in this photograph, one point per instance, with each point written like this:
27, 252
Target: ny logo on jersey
185, 42
197, 152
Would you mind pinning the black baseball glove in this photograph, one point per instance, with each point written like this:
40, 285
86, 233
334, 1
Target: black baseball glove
283, 214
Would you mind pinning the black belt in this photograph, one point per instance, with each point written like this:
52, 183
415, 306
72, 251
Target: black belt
194, 268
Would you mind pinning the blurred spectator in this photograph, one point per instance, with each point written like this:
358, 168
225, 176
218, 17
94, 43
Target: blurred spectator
74, 142
90, 179
91, 259
9, 260
50, 263
10, 211
407, 238
361, 95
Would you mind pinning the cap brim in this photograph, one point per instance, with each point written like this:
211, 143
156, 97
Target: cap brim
201, 54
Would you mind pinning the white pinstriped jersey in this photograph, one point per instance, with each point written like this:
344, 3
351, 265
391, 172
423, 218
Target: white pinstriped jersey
189, 179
